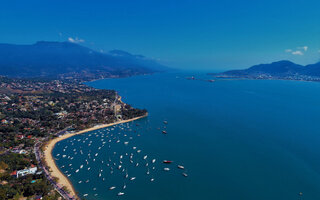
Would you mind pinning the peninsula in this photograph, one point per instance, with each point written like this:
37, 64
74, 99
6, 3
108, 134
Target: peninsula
37, 113
281, 70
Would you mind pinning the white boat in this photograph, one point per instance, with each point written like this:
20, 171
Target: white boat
85, 195
180, 167
154, 160
120, 193
77, 170
145, 157
132, 178
166, 169
113, 187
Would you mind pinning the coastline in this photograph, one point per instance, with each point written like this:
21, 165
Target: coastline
54, 170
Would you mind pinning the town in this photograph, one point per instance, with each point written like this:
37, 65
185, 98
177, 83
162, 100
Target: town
35, 111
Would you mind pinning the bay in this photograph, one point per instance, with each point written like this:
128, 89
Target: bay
241, 139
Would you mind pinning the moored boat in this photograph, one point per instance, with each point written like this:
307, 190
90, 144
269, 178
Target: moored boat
120, 193
180, 167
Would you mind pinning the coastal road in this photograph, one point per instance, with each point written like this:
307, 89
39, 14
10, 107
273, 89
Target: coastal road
38, 154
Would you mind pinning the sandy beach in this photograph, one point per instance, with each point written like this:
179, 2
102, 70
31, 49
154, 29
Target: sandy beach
55, 172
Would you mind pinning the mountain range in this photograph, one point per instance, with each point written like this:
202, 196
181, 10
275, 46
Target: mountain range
278, 70
52, 59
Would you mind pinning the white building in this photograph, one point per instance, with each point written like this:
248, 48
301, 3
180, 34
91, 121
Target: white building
24, 172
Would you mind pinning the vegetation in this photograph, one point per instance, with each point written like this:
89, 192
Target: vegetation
27, 186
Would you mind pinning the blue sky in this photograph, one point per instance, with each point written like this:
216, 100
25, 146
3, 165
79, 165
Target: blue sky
209, 35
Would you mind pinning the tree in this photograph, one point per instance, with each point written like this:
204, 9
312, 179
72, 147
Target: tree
3, 194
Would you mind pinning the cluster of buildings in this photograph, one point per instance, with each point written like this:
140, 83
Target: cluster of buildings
266, 76
31, 110
30, 86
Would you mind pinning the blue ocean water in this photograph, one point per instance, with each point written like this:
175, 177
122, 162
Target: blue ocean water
241, 139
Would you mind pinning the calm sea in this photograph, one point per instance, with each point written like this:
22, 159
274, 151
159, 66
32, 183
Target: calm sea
245, 139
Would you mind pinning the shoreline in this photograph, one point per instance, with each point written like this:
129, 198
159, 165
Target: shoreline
265, 79
48, 157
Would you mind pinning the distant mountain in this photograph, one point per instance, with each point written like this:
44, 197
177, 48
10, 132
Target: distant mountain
51, 59
313, 69
277, 70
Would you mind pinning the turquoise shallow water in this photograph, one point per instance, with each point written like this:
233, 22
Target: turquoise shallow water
249, 139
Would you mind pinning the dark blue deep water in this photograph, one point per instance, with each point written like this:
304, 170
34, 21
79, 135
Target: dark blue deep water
245, 139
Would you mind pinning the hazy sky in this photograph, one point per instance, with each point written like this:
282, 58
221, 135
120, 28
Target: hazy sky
216, 34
